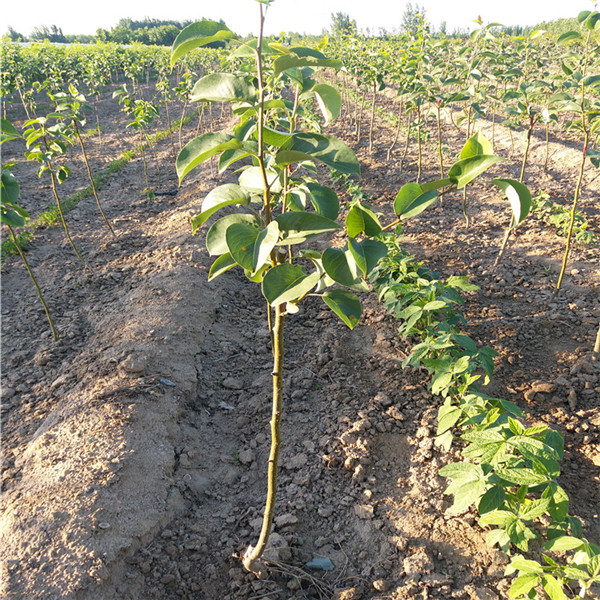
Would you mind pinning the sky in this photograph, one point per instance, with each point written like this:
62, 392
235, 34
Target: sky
301, 16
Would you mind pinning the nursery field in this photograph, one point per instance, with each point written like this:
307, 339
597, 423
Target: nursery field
135, 446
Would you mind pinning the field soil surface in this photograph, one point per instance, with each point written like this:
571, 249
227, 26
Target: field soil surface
135, 447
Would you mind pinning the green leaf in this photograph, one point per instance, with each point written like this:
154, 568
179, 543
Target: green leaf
553, 588
361, 219
534, 509
287, 283
500, 518
329, 101
8, 131
465, 494
524, 565
461, 470
314, 146
324, 199
303, 57
9, 190
476, 146
464, 171
298, 226
523, 584
222, 87
565, 542
198, 34
411, 200
448, 416
222, 264
345, 305
216, 240
217, 198
274, 137
492, 499
341, 267
523, 476
559, 509
251, 179
568, 37
518, 195
367, 253
202, 148
251, 247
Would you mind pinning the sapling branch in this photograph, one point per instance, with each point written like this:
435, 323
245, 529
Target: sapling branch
35, 283
91, 178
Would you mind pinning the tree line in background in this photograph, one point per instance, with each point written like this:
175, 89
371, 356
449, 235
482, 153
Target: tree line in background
156, 32
150, 32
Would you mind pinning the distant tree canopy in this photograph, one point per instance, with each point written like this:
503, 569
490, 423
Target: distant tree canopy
52, 34
341, 23
152, 32
413, 18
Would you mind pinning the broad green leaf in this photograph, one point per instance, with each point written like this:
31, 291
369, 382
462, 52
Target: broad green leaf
8, 131
498, 536
314, 146
303, 57
367, 253
565, 542
500, 518
249, 246
559, 508
524, 565
341, 267
13, 215
222, 264
476, 146
324, 199
251, 179
345, 305
436, 184
276, 138
465, 170
520, 534
222, 87
298, 226
483, 437
518, 195
440, 382
491, 500
448, 416
287, 283
411, 200
583, 15
242, 238
465, 493
216, 240
361, 219
461, 470
593, 20
553, 588
534, 509
9, 191
329, 101
248, 49
217, 198
568, 37
202, 148
523, 584
196, 35
522, 476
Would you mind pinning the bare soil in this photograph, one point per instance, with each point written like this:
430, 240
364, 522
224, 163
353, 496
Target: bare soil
134, 448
